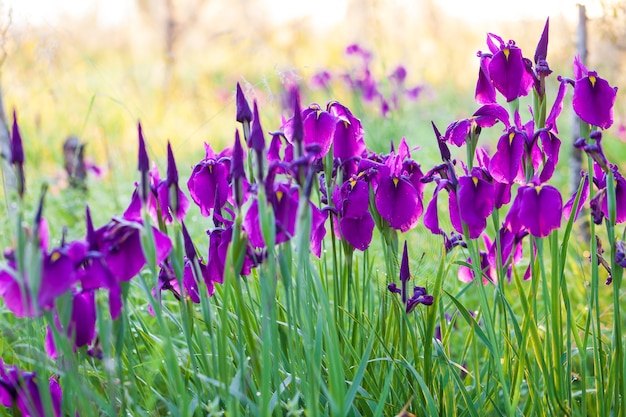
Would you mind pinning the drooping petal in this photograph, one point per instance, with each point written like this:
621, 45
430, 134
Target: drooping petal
594, 99
398, 202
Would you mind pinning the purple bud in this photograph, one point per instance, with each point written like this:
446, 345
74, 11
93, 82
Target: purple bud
190, 250
443, 147
541, 53
17, 157
257, 138
237, 171
143, 163
91, 232
172, 171
244, 114
298, 131
405, 274
17, 149
143, 166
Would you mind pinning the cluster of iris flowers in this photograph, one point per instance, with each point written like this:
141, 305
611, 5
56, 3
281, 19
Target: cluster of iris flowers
317, 162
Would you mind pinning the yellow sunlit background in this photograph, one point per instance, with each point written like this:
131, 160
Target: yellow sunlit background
93, 68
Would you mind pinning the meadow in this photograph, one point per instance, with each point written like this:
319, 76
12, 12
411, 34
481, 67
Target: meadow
400, 251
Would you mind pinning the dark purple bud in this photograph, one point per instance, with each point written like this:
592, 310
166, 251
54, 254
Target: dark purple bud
172, 171
405, 274
541, 53
443, 147
143, 166
190, 250
17, 157
257, 138
298, 130
237, 170
244, 114
143, 163
17, 149
91, 232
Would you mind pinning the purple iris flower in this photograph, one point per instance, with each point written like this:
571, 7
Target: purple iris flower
620, 197
502, 190
319, 128
594, 149
172, 200
20, 389
445, 179
486, 116
82, 326
356, 224
244, 114
219, 241
476, 201
348, 142
321, 80
57, 276
209, 177
506, 163
506, 69
194, 270
120, 244
536, 208
593, 96
398, 200
112, 254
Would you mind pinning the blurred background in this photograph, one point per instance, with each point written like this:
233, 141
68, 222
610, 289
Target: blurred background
94, 68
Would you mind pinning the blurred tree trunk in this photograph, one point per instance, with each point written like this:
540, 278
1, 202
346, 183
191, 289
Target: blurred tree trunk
174, 19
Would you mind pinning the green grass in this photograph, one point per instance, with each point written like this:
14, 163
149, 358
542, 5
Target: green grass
317, 337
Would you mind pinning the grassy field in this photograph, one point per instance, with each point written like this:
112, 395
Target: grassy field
299, 335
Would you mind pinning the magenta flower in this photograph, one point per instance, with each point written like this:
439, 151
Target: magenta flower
506, 163
356, 224
57, 277
593, 96
319, 128
210, 177
476, 201
20, 389
399, 193
506, 69
348, 140
82, 326
536, 208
